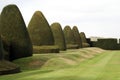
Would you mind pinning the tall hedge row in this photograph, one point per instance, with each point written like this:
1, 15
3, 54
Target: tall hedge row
14, 32
40, 31
108, 44
58, 35
77, 37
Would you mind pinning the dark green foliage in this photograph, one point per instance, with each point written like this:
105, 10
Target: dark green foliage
40, 31
83, 37
69, 38
77, 36
1, 50
108, 44
45, 49
89, 42
58, 36
84, 40
14, 33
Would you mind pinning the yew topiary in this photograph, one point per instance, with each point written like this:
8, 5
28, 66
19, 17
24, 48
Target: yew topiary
84, 40
77, 36
13, 30
58, 36
69, 38
41, 33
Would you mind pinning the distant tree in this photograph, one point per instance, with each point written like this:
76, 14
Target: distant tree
77, 36
14, 32
58, 35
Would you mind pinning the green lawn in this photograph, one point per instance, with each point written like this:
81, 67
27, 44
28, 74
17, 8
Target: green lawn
104, 66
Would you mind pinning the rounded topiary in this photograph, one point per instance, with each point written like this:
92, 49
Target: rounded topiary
83, 37
69, 38
14, 32
58, 36
41, 34
39, 30
84, 40
77, 36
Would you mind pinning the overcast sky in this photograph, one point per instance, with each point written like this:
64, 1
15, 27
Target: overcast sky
94, 17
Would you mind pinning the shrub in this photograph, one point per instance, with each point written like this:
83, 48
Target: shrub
41, 33
14, 32
69, 37
84, 40
77, 36
58, 36
108, 44
83, 37
39, 30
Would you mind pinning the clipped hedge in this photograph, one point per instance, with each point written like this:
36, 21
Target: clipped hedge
69, 38
14, 32
84, 40
41, 33
77, 36
58, 35
45, 49
83, 37
107, 43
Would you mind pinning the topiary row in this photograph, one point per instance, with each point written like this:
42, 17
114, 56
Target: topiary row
69, 37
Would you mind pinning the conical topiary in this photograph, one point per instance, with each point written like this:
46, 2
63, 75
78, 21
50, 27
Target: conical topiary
14, 32
84, 40
39, 30
58, 35
69, 38
77, 36
41, 33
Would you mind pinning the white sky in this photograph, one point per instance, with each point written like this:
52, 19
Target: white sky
94, 17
